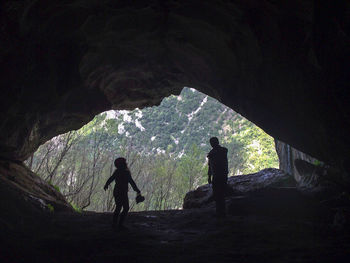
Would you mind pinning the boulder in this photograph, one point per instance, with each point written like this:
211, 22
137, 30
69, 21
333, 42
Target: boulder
240, 185
26, 200
321, 181
287, 155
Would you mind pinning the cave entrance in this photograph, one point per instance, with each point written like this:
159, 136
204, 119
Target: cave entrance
165, 147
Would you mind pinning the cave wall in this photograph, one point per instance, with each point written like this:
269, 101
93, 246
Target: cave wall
282, 64
25, 197
287, 156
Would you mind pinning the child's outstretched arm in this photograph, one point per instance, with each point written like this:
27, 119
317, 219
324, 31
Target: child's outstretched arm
109, 181
133, 185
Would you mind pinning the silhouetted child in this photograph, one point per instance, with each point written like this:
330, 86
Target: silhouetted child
122, 178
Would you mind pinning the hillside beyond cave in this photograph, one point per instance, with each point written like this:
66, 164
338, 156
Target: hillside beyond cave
282, 64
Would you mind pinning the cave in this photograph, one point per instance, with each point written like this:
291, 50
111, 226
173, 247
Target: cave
283, 65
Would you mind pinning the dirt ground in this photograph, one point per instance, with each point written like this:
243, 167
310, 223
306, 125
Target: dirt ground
258, 228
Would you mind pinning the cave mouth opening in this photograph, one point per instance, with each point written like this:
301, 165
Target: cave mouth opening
165, 147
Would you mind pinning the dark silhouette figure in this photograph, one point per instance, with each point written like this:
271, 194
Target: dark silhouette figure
217, 174
122, 178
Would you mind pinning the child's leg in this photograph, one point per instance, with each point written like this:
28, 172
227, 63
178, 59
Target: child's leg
123, 214
118, 207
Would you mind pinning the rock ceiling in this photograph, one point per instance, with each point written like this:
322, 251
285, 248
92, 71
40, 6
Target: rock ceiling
285, 66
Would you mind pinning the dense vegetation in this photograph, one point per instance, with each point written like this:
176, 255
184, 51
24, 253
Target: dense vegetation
165, 147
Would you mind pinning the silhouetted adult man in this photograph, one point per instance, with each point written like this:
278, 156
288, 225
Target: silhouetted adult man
217, 174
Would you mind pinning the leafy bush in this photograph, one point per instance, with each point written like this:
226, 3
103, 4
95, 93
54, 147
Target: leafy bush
51, 208
166, 156
318, 163
76, 208
55, 186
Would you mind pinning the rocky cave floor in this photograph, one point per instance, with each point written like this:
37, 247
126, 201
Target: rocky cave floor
269, 226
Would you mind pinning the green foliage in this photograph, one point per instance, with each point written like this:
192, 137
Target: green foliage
55, 186
51, 208
76, 208
318, 163
256, 148
165, 146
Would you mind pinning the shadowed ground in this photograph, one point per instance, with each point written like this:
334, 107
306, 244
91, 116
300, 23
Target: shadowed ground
259, 228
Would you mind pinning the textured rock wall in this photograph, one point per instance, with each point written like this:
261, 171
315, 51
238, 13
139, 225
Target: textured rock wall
26, 201
312, 176
240, 185
282, 64
287, 156
31, 187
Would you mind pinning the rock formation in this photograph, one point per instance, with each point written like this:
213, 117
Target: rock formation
321, 180
283, 65
311, 175
26, 199
287, 156
240, 185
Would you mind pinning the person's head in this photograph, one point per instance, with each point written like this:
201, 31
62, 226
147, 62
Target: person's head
120, 163
214, 141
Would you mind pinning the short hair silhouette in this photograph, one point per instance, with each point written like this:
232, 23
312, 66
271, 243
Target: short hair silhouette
217, 174
214, 141
120, 162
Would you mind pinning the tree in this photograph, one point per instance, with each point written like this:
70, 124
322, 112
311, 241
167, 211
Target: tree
166, 154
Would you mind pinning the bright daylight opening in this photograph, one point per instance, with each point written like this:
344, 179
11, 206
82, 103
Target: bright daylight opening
165, 147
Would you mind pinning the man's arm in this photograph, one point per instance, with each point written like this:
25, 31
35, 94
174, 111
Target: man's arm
209, 171
109, 181
133, 185
226, 162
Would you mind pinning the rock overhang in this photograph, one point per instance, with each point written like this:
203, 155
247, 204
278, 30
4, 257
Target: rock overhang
284, 66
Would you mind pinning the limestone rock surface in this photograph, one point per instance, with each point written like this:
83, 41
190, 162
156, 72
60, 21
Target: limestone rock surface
240, 185
285, 65
25, 198
322, 181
